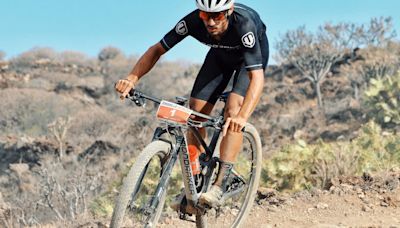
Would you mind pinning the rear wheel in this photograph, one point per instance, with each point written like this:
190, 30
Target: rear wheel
242, 190
132, 208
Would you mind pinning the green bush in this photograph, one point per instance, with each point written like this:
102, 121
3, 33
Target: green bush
383, 100
302, 166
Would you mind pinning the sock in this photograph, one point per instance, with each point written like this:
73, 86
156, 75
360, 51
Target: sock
225, 169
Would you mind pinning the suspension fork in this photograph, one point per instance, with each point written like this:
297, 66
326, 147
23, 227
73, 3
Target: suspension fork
163, 184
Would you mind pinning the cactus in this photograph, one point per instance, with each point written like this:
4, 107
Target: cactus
383, 100
302, 166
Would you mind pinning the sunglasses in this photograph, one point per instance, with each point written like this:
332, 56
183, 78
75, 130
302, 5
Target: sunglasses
218, 16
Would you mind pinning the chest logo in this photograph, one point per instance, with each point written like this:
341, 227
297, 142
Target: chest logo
249, 40
181, 28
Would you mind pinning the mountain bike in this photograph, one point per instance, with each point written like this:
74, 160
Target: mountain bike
142, 197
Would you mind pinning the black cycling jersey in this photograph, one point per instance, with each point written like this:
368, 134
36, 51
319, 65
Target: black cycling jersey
243, 47
241, 39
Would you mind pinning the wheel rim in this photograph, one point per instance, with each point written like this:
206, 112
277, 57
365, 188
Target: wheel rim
139, 213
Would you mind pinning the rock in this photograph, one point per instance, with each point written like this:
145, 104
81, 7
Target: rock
346, 188
273, 208
397, 198
263, 193
315, 192
395, 169
380, 197
43, 61
322, 206
167, 220
28, 153
19, 168
99, 149
298, 134
366, 208
384, 204
4, 66
359, 190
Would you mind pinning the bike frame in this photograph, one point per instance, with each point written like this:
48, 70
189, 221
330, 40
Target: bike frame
179, 148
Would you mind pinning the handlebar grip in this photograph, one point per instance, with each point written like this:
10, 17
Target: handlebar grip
131, 92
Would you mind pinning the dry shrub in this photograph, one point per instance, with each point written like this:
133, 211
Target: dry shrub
92, 123
28, 59
114, 66
177, 77
23, 177
2, 55
377, 62
29, 111
76, 58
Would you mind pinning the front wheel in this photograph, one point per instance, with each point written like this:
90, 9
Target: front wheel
132, 208
243, 185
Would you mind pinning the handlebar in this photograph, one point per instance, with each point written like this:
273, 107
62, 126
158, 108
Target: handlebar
139, 99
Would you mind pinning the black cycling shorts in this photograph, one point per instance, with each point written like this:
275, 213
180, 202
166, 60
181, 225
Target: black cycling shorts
218, 69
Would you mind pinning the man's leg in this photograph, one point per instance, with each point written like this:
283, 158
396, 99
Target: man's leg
231, 143
194, 146
229, 150
202, 107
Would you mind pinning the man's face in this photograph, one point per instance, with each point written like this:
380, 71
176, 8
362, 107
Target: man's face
216, 23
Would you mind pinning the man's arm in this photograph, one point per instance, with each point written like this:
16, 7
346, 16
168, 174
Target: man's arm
253, 93
146, 62
144, 65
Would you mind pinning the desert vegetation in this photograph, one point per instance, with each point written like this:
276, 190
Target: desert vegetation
330, 110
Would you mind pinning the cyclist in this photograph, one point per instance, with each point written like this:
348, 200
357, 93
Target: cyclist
238, 50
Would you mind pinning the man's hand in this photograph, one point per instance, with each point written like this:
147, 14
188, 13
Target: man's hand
123, 86
235, 124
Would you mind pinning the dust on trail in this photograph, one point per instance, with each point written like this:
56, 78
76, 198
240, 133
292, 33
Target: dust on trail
350, 202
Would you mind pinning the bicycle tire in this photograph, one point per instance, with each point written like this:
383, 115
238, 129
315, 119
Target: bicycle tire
130, 182
252, 135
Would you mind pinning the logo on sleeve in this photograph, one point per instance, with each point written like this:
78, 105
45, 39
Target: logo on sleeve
181, 28
249, 40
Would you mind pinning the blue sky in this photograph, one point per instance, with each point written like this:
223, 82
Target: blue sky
132, 25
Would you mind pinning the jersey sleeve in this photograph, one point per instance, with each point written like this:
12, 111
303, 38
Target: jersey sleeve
250, 46
179, 32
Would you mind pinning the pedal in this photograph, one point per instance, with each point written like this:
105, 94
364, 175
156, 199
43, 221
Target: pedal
186, 208
185, 217
182, 216
236, 183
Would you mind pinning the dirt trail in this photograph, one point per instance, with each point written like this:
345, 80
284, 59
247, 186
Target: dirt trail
350, 202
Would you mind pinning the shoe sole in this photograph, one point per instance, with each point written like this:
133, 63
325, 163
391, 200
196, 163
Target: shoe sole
208, 202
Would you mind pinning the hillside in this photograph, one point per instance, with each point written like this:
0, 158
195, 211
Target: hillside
65, 138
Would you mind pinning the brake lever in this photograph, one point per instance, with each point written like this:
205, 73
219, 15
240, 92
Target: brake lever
141, 102
136, 98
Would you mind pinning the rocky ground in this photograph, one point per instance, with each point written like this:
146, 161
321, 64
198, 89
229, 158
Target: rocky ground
350, 202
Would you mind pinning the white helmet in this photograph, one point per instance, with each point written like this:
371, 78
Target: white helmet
213, 6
